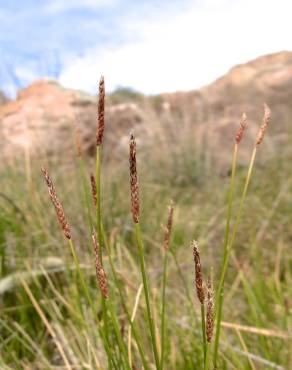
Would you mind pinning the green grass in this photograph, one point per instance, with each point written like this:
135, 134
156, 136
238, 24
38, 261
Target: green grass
52, 313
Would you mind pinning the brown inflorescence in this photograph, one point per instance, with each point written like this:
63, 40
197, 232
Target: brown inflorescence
93, 189
134, 181
242, 127
100, 273
100, 123
168, 228
210, 311
58, 207
264, 125
198, 272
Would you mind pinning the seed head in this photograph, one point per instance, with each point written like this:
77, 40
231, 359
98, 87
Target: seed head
242, 127
198, 273
100, 123
210, 311
100, 273
134, 181
264, 126
93, 189
58, 207
168, 228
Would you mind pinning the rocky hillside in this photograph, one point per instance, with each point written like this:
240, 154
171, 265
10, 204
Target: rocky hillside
44, 116
3, 99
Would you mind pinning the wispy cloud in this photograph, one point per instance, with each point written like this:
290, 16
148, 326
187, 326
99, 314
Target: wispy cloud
151, 46
190, 49
59, 6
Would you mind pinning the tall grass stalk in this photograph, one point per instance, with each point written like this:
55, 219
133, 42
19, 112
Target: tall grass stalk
166, 246
207, 357
99, 140
200, 291
120, 341
146, 293
83, 176
229, 244
98, 206
209, 320
220, 289
80, 273
227, 256
86, 193
122, 298
203, 327
162, 335
135, 203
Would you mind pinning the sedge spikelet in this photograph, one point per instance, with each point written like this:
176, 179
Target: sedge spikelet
198, 273
58, 207
264, 125
210, 311
242, 127
93, 189
100, 273
100, 123
168, 228
134, 181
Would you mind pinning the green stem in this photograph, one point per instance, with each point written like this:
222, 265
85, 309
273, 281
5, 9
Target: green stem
98, 207
146, 293
121, 343
207, 358
121, 293
203, 329
105, 319
79, 272
99, 231
86, 291
86, 193
163, 308
220, 289
227, 256
192, 310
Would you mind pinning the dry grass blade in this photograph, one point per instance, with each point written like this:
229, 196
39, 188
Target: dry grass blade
100, 125
47, 325
137, 299
58, 207
258, 331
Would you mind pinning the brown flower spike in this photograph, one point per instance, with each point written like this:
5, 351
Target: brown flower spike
100, 273
210, 311
93, 189
168, 227
242, 127
58, 207
134, 181
100, 123
198, 272
264, 126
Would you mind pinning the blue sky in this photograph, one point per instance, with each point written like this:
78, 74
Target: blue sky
151, 46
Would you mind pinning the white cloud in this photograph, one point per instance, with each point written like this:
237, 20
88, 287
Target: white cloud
58, 6
188, 50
